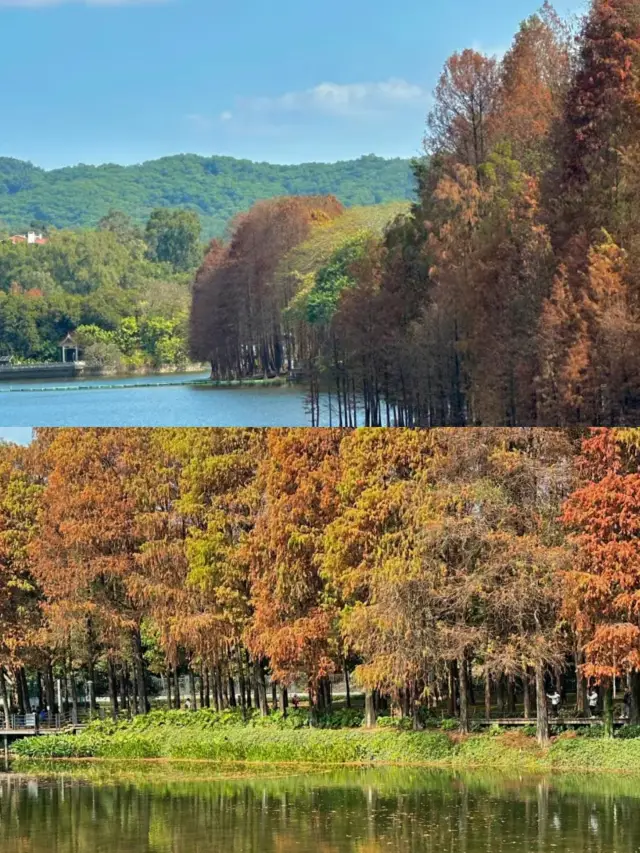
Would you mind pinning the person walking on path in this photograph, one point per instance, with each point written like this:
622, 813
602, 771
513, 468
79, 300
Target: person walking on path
593, 702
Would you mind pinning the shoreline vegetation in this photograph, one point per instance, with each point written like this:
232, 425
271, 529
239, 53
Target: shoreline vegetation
207, 736
270, 382
442, 573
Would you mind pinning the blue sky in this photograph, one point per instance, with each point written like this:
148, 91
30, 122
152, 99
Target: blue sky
283, 81
16, 435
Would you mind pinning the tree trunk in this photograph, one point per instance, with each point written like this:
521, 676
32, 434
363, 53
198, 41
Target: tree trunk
487, 695
223, 688
49, 689
25, 690
212, 681
233, 703
634, 716
526, 693
74, 697
542, 712
285, 700
19, 692
464, 696
511, 694
122, 684
500, 694
346, 684
192, 690
452, 705
260, 688
581, 684
91, 665
313, 704
176, 689
207, 688
138, 663
471, 692
41, 702
130, 688
249, 678
242, 683
415, 707
65, 689
607, 713
369, 710
113, 688
324, 695
168, 678
201, 686
4, 698
134, 693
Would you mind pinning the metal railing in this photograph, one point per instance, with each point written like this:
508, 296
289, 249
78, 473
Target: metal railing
43, 722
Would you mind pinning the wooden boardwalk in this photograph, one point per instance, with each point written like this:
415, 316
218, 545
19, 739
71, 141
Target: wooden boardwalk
559, 721
47, 730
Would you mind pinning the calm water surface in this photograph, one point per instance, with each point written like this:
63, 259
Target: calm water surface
365, 811
148, 401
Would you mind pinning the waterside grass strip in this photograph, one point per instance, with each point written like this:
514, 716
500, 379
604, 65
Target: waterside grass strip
342, 747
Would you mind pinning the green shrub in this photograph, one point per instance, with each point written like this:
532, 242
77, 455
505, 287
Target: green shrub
590, 732
449, 725
627, 732
402, 723
345, 718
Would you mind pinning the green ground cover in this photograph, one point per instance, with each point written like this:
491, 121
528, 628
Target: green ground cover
337, 739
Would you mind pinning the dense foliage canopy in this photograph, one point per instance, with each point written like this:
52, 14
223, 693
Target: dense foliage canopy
124, 292
509, 294
424, 562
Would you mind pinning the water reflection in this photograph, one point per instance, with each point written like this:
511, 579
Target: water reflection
365, 811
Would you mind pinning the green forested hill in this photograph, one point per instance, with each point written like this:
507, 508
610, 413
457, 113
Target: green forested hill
217, 188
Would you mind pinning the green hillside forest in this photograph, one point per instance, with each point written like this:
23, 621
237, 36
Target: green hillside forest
216, 188
125, 290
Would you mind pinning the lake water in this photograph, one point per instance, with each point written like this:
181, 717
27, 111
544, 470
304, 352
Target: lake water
149, 401
351, 811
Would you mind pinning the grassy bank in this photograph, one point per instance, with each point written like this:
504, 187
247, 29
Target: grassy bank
206, 736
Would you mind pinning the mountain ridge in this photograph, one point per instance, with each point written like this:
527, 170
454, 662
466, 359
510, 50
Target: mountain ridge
216, 187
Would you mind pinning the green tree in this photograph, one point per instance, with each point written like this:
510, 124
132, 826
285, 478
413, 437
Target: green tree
173, 236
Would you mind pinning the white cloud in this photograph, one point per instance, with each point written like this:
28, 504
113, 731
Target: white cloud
338, 99
37, 4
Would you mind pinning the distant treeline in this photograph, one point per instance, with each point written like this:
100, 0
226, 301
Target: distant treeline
216, 188
509, 294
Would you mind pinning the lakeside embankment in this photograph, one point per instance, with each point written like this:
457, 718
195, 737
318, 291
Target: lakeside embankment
207, 736
278, 382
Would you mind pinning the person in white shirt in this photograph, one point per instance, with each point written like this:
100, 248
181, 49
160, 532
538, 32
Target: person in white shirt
555, 702
593, 702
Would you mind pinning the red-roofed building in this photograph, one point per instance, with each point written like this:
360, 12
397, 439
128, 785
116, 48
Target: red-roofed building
30, 237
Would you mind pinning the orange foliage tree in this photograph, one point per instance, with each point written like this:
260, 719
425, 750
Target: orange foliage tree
603, 587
